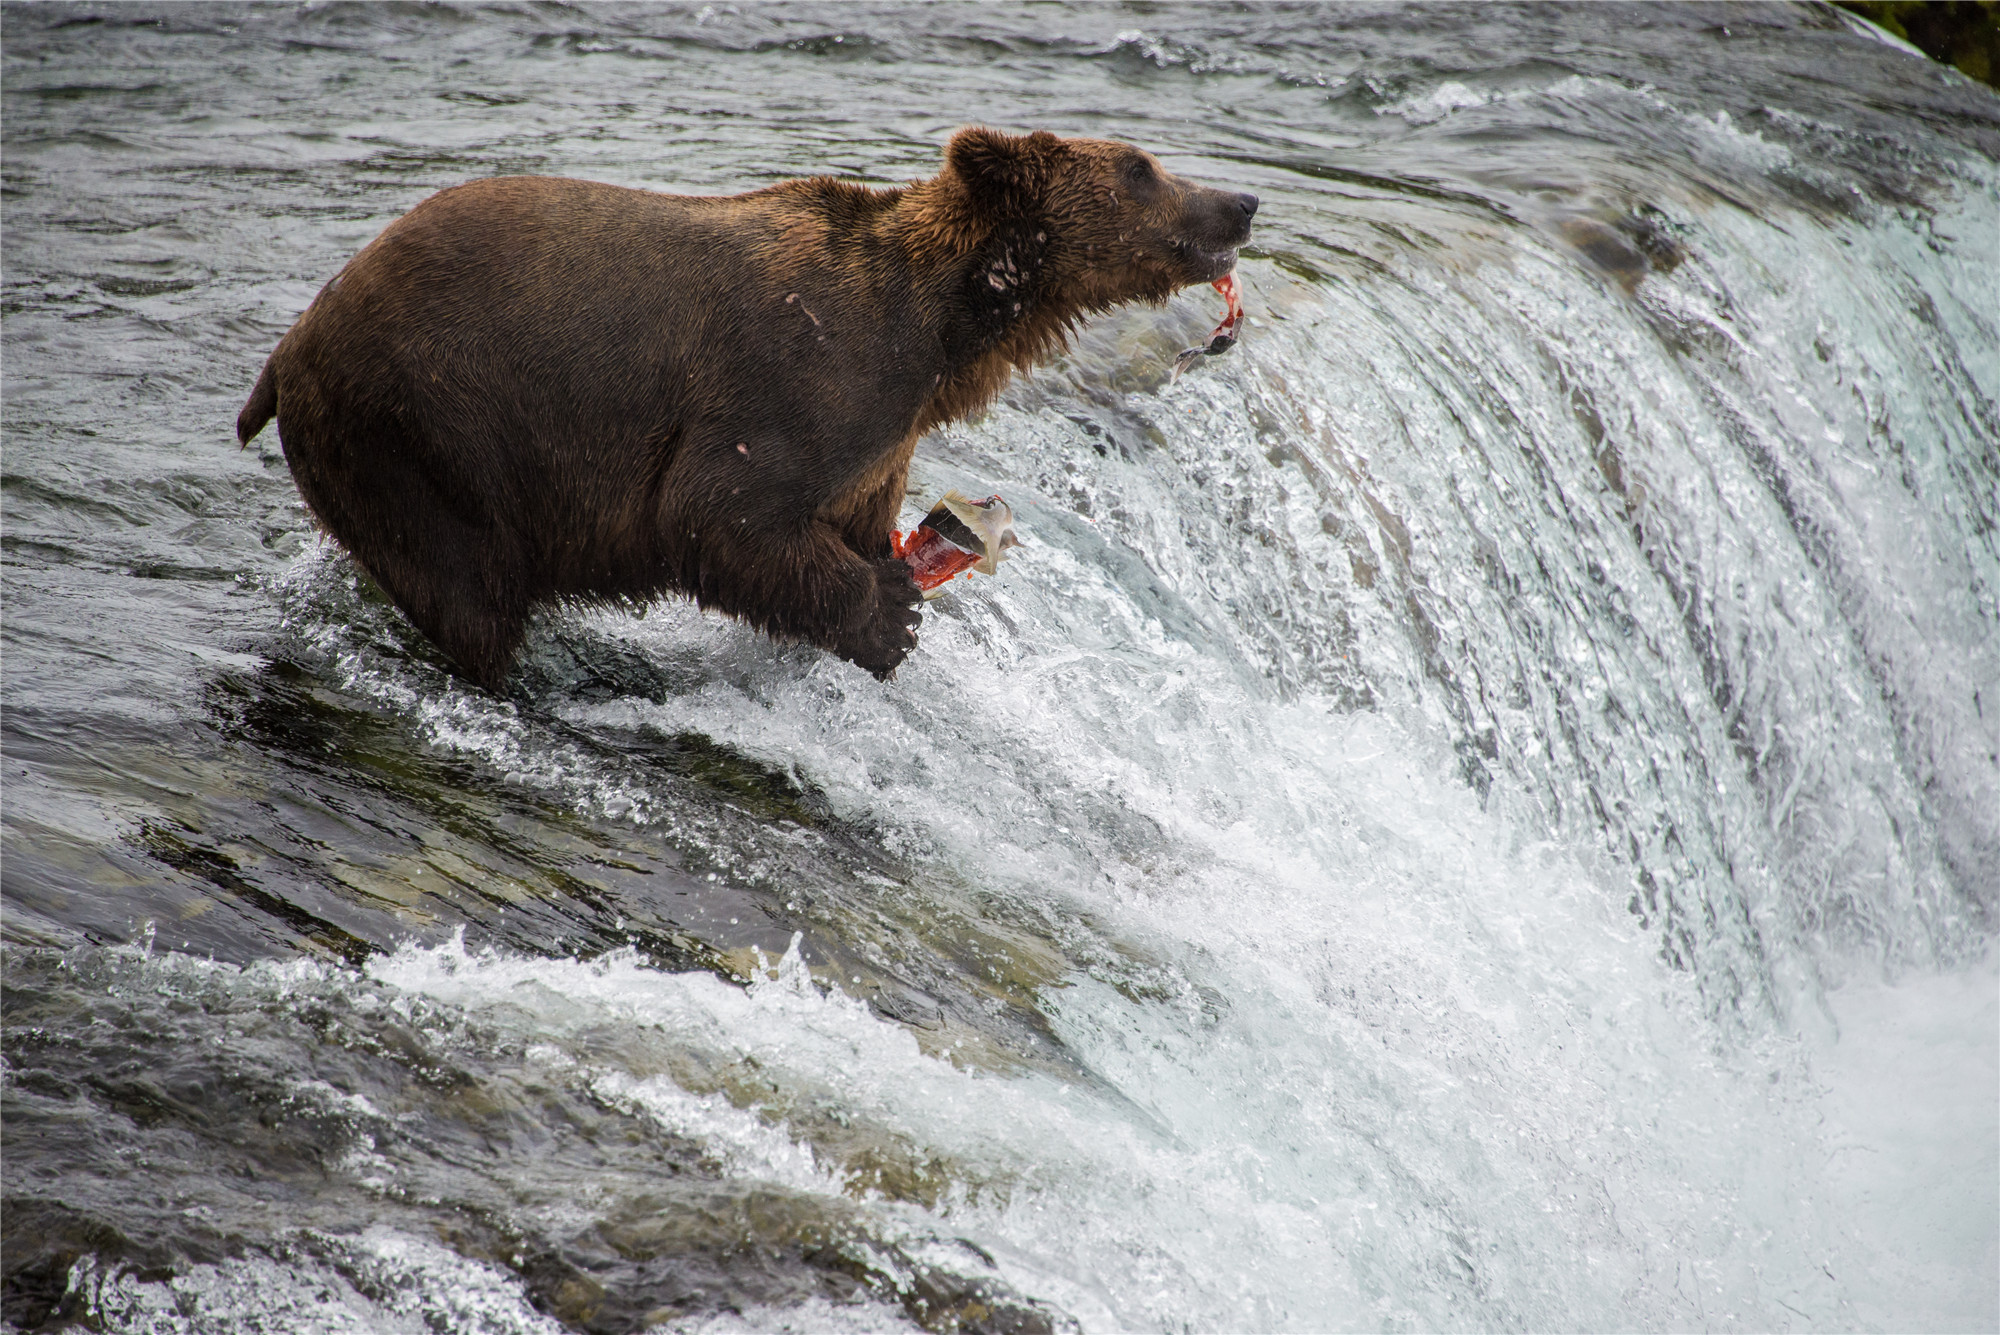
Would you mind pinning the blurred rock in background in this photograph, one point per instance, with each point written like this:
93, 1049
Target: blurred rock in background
1964, 33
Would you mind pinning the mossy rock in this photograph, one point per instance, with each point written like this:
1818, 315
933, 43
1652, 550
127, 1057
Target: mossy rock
1962, 33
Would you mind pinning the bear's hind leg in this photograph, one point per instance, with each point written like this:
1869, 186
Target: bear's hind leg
461, 598
481, 638
424, 525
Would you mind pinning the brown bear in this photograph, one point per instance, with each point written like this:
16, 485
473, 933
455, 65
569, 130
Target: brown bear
530, 389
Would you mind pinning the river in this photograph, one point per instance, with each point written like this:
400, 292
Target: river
1477, 809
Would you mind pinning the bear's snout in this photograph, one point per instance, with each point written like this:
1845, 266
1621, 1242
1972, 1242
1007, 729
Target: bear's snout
1220, 218
1237, 210
1213, 224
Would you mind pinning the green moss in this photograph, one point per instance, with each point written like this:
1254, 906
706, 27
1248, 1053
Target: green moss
1963, 33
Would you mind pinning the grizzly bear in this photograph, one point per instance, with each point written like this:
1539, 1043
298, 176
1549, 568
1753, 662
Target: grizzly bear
529, 390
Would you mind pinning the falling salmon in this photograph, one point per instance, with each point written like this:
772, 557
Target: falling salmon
1223, 338
959, 534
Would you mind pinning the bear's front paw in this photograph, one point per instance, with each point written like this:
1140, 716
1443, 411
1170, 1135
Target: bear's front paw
884, 635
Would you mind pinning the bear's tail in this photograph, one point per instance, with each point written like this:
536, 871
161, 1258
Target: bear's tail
259, 409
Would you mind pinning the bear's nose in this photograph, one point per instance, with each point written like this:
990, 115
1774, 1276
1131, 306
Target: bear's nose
1248, 203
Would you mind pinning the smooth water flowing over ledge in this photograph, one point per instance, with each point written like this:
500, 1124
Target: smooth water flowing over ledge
1478, 809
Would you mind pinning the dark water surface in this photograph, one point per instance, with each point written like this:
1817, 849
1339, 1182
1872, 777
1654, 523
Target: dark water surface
1478, 809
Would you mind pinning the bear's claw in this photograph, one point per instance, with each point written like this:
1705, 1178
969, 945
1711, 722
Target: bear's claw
884, 639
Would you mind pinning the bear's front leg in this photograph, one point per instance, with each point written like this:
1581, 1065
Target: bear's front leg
883, 627
806, 583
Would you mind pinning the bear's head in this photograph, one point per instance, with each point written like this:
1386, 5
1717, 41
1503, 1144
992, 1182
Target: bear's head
1087, 224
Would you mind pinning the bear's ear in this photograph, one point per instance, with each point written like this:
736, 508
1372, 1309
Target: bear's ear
1004, 173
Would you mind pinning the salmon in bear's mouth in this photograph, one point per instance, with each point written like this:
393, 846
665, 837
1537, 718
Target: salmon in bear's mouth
1223, 337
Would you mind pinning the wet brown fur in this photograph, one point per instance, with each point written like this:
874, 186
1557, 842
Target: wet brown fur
531, 389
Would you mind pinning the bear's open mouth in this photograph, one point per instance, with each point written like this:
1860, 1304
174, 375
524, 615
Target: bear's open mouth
1205, 266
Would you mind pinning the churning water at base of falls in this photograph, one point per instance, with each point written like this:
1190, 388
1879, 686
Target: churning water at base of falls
1477, 809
